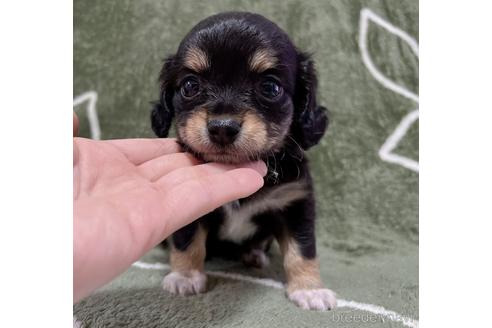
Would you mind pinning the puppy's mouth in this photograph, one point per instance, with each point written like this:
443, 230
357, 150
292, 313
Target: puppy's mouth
224, 139
229, 155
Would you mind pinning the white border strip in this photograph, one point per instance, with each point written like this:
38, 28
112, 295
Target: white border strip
375, 309
91, 97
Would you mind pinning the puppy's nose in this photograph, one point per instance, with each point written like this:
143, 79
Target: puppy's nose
223, 131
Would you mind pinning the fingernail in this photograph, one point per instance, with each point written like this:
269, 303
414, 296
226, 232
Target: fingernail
258, 166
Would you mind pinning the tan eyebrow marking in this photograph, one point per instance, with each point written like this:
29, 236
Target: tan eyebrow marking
262, 60
196, 60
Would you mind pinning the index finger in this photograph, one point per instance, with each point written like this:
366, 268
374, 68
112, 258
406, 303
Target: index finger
197, 197
142, 150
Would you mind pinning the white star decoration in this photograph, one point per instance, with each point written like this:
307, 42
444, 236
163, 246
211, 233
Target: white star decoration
91, 98
386, 151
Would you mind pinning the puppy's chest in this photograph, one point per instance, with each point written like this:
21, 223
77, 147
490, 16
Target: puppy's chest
238, 224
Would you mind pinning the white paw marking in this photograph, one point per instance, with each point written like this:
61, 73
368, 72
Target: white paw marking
314, 299
185, 283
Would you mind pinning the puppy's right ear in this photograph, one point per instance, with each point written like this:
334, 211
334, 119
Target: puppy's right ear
163, 110
310, 120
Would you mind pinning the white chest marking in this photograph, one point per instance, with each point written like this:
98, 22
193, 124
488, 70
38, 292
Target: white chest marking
237, 225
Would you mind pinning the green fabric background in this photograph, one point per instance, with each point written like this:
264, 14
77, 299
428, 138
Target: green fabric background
367, 224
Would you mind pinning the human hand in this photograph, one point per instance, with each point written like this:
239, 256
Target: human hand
131, 194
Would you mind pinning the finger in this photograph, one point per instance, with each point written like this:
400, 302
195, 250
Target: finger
197, 197
139, 151
160, 166
196, 172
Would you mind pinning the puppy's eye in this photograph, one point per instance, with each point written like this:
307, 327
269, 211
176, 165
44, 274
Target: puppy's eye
190, 87
270, 89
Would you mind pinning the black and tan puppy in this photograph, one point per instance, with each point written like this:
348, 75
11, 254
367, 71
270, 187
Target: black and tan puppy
238, 90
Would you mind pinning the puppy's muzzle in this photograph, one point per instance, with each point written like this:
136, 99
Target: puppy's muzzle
223, 131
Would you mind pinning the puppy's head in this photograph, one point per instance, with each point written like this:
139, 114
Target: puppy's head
238, 90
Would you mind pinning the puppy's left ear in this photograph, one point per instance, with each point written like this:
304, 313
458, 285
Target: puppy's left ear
310, 120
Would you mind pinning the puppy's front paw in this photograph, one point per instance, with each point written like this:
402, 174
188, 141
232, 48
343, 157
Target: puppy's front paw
185, 283
314, 299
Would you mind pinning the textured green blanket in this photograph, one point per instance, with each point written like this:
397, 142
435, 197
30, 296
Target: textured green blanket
365, 169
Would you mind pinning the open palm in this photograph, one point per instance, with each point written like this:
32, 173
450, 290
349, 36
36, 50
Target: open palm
131, 194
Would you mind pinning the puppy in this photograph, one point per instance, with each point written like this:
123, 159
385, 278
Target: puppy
238, 90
